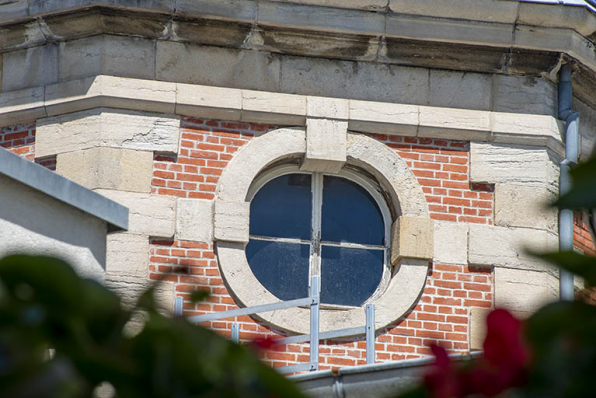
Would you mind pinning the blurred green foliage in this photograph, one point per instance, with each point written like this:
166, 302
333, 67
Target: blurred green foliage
62, 336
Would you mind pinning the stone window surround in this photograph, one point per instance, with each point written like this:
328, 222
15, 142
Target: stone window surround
231, 221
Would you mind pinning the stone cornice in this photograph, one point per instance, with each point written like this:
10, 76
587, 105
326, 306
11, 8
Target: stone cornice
276, 108
492, 36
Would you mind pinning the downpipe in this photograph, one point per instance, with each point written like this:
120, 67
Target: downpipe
571, 118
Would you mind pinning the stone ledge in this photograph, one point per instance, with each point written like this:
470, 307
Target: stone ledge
412, 237
284, 109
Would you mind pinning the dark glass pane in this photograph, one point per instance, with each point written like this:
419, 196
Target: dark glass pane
350, 214
282, 208
281, 267
349, 276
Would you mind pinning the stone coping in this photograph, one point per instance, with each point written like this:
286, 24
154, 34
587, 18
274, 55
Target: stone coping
64, 190
275, 108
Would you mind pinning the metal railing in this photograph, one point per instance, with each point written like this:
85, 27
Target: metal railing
314, 302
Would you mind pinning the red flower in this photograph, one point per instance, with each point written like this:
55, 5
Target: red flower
264, 343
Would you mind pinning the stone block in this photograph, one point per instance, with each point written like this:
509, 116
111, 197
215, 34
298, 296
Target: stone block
478, 10
217, 66
208, 102
508, 247
518, 128
149, 215
127, 255
141, 95
231, 221
521, 291
587, 129
235, 9
327, 18
525, 206
31, 67
372, 5
465, 124
273, 107
326, 142
517, 94
328, 108
194, 220
73, 96
26, 104
513, 164
477, 327
107, 55
107, 128
382, 117
460, 90
109, 168
130, 289
412, 237
451, 243
354, 80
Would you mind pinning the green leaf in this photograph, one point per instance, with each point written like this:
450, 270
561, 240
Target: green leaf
583, 191
575, 263
198, 296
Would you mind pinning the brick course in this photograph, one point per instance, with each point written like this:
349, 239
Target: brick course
20, 140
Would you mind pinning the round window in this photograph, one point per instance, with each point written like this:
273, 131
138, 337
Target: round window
334, 226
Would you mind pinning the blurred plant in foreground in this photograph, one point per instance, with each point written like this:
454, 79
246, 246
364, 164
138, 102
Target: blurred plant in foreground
551, 354
46, 308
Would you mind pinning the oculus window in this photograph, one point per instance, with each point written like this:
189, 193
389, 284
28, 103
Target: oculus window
335, 226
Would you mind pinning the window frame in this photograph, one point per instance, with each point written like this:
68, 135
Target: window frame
316, 216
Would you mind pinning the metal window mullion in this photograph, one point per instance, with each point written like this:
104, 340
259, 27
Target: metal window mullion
317, 203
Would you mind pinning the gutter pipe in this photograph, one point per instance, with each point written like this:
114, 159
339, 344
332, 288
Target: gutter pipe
571, 119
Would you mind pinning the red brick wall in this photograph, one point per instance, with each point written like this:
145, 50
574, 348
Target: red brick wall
582, 238
20, 139
441, 314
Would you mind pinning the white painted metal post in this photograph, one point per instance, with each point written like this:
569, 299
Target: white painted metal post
314, 322
178, 306
235, 332
370, 333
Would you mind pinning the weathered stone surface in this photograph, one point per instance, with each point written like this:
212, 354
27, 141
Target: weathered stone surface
16, 106
525, 206
391, 171
235, 9
217, 66
460, 90
127, 255
513, 164
384, 117
273, 107
508, 247
412, 237
328, 108
211, 102
231, 221
149, 215
467, 124
156, 96
109, 168
130, 289
529, 95
355, 80
477, 326
519, 128
320, 17
105, 127
35, 66
522, 291
325, 145
376, 5
194, 220
480, 10
34, 223
107, 55
451, 242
